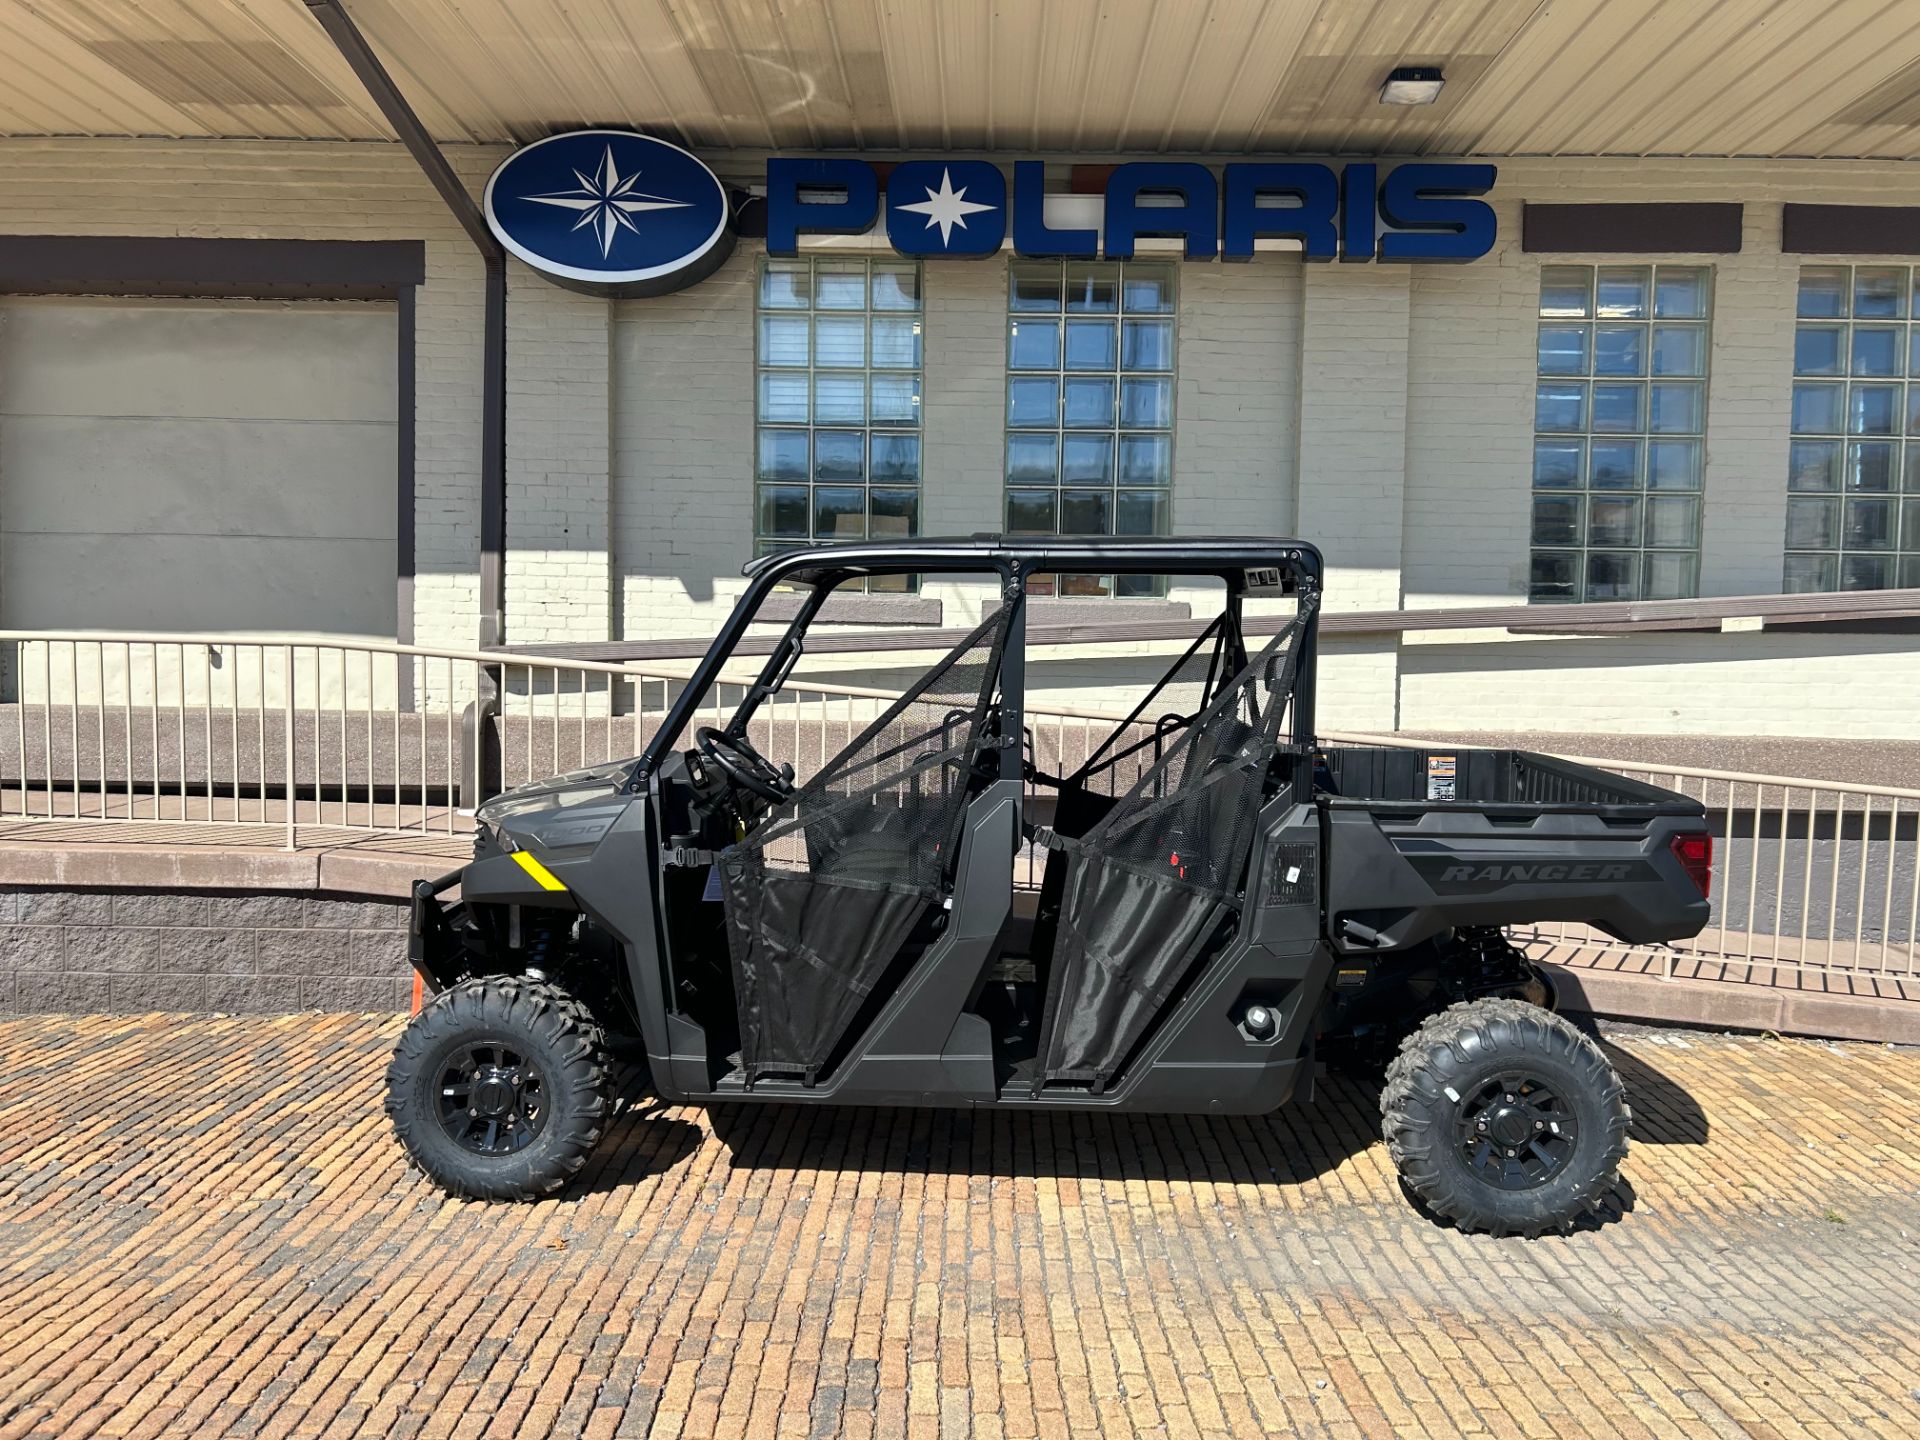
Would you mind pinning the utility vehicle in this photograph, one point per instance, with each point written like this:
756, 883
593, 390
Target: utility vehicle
1221, 903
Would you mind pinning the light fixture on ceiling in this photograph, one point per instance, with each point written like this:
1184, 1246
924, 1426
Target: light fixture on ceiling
1412, 85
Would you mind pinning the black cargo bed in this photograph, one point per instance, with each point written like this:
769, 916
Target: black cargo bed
1379, 774
1423, 841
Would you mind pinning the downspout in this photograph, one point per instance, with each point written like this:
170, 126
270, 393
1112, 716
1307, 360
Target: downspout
354, 49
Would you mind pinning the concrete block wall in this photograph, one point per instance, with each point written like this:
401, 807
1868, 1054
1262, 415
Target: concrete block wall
1353, 428
135, 950
1466, 514
964, 397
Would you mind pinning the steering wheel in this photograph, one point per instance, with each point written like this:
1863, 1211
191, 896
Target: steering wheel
745, 766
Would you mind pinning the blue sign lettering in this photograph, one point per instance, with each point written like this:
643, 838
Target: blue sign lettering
1356, 213
1195, 218
819, 196
1418, 212
1032, 236
946, 207
1427, 222
1310, 221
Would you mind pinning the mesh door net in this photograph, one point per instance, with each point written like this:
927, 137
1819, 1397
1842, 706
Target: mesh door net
1147, 886
1083, 796
829, 887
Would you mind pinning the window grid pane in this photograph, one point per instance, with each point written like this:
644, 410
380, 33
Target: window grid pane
1619, 421
838, 355
1089, 409
1853, 468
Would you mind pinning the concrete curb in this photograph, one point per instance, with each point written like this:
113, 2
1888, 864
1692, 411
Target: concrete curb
152, 867
1723, 1005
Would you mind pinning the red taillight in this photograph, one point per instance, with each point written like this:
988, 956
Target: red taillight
1694, 851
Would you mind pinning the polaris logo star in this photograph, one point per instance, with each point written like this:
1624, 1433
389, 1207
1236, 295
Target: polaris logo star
611, 212
608, 202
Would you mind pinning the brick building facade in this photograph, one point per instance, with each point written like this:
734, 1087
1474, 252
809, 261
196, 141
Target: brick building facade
1387, 413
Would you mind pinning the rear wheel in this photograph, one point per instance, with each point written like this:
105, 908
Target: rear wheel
1502, 1117
500, 1088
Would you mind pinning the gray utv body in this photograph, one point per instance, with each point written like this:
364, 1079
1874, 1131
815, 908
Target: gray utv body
1220, 904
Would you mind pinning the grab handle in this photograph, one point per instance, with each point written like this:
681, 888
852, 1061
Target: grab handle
1360, 934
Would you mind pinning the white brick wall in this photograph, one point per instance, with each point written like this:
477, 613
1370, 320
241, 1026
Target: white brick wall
1235, 410
559, 531
1384, 413
683, 407
1353, 428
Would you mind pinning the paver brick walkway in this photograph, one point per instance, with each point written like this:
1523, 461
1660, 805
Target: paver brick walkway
206, 1230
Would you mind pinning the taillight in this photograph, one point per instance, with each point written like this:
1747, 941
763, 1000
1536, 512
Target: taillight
1694, 850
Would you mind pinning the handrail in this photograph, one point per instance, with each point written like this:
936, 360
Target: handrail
316, 642
644, 670
374, 735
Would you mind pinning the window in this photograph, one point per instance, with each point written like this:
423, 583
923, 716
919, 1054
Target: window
1618, 431
1090, 407
1853, 482
837, 443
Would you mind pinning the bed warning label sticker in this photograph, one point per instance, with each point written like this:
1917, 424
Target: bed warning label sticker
1440, 778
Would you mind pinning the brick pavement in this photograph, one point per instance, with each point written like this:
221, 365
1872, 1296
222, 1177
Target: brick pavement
205, 1230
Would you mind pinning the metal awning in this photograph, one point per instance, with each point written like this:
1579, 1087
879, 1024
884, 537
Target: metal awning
1770, 78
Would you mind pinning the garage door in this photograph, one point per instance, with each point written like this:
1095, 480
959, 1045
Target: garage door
198, 465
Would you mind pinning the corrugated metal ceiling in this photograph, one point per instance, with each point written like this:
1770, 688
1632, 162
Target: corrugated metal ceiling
1552, 77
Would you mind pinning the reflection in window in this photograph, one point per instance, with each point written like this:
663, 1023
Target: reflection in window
1853, 465
1090, 350
1619, 419
837, 438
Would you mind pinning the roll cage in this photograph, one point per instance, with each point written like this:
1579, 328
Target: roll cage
1244, 564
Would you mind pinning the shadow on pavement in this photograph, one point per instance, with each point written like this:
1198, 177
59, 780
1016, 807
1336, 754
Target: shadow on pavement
642, 1139
1290, 1146
1663, 1112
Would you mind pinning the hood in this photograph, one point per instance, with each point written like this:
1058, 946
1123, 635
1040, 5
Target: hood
571, 809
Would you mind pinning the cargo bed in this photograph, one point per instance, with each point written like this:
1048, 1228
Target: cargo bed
1488, 777
1419, 842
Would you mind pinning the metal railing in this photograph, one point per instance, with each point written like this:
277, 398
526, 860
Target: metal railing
340, 734
288, 733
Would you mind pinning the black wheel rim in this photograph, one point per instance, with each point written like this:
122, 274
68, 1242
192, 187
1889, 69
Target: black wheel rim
1516, 1131
492, 1098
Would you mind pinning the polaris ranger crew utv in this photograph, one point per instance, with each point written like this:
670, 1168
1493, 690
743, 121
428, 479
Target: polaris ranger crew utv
1221, 902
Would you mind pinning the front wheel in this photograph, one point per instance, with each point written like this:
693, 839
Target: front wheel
500, 1088
1502, 1117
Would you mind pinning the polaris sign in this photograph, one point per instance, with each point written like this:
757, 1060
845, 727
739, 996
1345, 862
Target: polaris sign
1415, 212
611, 212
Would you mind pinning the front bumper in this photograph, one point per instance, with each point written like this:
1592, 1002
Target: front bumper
433, 947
